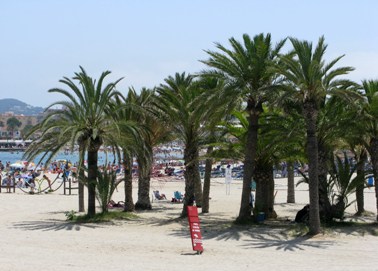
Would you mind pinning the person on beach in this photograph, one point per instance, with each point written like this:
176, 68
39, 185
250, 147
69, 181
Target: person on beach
228, 179
8, 182
4, 182
251, 199
31, 182
48, 181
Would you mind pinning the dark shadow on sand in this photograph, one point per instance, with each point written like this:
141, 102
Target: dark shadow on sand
53, 225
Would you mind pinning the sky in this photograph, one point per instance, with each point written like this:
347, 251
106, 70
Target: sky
42, 41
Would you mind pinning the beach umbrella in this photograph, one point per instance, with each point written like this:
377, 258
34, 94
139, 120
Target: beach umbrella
34, 168
17, 165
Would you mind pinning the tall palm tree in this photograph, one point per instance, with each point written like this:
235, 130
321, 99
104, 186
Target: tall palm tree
246, 70
274, 129
85, 118
154, 132
131, 139
180, 105
370, 87
310, 80
216, 111
333, 136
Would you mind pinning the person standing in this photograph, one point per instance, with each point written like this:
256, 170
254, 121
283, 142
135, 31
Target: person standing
251, 199
228, 179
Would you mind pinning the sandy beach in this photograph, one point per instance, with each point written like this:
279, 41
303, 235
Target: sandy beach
35, 235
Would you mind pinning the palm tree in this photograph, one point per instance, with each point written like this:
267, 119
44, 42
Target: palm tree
151, 132
274, 129
216, 112
310, 79
339, 133
85, 118
179, 104
246, 70
370, 112
131, 139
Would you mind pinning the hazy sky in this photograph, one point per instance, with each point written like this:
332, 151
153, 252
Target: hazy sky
146, 41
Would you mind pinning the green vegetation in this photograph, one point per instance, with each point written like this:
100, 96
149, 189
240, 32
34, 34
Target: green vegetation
100, 218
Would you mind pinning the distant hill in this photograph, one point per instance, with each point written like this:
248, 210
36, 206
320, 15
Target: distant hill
19, 107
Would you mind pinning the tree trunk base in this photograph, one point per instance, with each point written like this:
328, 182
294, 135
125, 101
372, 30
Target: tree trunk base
143, 206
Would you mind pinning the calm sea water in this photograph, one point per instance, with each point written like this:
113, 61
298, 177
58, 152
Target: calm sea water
103, 158
73, 157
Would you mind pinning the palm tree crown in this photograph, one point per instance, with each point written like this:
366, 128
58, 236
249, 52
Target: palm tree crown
247, 70
85, 119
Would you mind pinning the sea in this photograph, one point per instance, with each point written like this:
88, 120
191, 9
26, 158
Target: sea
73, 157
103, 158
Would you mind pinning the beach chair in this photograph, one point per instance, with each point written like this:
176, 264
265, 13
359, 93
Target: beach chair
177, 196
157, 196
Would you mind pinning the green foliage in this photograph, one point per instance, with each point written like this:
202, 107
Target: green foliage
70, 216
105, 185
26, 129
12, 123
101, 217
342, 183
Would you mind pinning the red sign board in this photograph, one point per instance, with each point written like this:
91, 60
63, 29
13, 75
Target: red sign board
195, 231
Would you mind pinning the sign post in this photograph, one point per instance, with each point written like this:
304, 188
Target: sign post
195, 231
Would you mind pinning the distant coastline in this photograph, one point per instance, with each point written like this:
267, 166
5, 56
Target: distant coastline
12, 149
14, 145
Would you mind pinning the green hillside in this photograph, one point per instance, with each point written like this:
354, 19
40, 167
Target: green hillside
19, 107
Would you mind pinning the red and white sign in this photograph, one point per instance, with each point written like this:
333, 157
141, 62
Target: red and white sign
195, 230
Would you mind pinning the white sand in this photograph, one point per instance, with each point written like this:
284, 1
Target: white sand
35, 236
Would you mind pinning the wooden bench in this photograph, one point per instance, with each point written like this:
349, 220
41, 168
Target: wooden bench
9, 187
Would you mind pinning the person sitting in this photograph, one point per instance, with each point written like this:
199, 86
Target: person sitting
178, 197
8, 182
159, 196
4, 180
113, 204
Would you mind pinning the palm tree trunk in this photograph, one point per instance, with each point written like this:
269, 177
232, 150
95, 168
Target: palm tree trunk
128, 164
92, 176
143, 202
360, 188
191, 175
373, 150
198, 195
325, 207
249, 165
81, 179
264, 200
206, 182
290, 182
310, 115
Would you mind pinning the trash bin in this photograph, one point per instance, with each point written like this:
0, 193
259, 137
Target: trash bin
260, 217
370, 181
